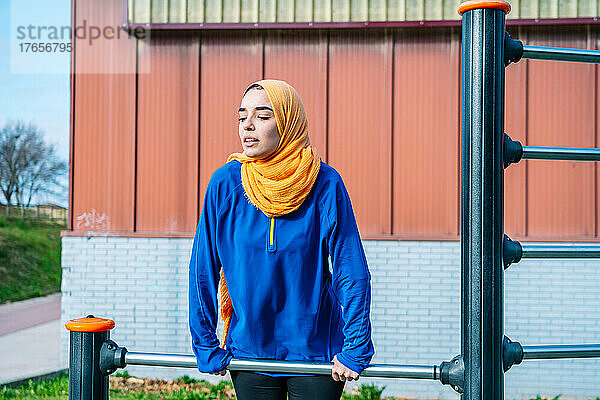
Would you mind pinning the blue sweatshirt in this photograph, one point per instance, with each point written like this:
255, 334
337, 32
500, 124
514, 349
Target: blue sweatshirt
287, 305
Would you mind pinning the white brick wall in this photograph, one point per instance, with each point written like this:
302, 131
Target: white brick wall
141, 283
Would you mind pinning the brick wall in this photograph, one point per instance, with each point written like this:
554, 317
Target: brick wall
141, 283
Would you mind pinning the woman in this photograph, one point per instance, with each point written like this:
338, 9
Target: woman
272, 216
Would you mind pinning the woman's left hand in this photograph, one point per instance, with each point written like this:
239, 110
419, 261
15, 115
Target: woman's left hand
339, 372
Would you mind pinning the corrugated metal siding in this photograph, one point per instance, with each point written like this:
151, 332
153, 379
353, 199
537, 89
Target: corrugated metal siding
561, 113
167, 141
360, 126
103, 125
596, 45
515, 124
232, 11
230, 61
301, 57
426, 65
383, 107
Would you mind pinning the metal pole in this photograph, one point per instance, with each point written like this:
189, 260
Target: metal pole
189, 361
86, 381
560, 153
560, 250
561, 54
561, 351
482, 221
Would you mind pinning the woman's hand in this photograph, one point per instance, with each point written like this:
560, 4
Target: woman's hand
222, 372
339, 372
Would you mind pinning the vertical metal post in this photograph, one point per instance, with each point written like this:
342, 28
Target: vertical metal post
482, 220
86, 381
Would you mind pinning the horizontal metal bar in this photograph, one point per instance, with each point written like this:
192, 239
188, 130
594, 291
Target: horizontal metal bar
561, 54
375, 371
561, 351
160, 359
560, 153
560, 250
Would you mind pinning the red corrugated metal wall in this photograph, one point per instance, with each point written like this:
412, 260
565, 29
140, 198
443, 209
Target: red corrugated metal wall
426, 133
562, 103
167, 134
360, 123
229, 62
515, 177
103, 141
384, 110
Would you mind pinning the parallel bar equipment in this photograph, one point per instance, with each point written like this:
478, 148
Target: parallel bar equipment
560, 153
482, 219
561, 54
375, 371
560, 250
561, 351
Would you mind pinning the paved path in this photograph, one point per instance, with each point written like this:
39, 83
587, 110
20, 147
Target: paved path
30, 338
28, 313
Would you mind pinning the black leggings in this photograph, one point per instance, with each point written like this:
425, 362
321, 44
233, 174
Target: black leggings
253, 386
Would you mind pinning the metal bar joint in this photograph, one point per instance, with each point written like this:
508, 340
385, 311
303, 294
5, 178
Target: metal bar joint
512, 151
111, 357
513, 49
513, 353
512, 251
453, 373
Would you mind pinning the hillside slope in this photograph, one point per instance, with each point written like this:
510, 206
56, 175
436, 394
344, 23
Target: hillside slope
29, 258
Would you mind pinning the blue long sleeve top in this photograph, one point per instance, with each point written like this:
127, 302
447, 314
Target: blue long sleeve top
287, 304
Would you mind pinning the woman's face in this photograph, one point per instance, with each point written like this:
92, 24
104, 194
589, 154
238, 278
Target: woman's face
258, 128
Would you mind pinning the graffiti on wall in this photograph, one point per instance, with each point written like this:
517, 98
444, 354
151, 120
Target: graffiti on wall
92, 221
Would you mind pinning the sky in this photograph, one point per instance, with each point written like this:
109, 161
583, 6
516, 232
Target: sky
34, 88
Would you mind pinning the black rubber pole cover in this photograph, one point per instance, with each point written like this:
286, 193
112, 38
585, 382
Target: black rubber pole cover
512, 151
512, 252
513, 353
513, 49
86, 381
111, 357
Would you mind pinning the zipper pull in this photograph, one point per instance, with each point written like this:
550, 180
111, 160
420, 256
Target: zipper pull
271, 237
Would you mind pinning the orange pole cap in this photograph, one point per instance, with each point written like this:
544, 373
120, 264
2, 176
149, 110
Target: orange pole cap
90, 324
474, 4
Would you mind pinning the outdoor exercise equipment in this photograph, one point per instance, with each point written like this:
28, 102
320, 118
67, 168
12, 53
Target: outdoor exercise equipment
486, 151
93, 357
486, 354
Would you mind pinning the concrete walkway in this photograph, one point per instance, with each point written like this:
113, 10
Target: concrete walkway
30, 338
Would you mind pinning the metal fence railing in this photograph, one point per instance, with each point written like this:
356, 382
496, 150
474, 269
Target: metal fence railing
39, 212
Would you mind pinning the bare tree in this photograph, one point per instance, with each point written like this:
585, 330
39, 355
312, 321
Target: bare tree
27, 164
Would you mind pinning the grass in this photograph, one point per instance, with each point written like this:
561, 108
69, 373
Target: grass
553, 398
58, 389
47, 389
364, 392
29, 258
538, 397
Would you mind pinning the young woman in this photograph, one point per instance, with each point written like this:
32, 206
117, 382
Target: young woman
272, 217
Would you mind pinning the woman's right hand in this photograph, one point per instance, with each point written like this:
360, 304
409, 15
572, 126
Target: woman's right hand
222, 372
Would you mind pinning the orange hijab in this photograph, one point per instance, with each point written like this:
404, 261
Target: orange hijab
278, 184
